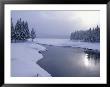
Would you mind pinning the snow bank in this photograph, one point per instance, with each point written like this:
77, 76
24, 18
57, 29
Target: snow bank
23, 60
67, 42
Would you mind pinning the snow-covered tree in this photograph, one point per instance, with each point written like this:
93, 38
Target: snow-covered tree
18, 30
12, 31
21, 30
91, 35
33, 34
26, 30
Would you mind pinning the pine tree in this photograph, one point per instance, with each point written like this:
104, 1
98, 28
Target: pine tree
12, 31
18, 29
90, 35
27, 33
22, 30
22, 34
71, 36
33, 34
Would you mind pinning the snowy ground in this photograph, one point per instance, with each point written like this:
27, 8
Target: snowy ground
67, 42
23, 60
25, 55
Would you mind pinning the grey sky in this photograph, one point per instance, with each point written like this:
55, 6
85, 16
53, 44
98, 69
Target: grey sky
57, 23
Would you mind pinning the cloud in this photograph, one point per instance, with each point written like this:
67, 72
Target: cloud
57, 22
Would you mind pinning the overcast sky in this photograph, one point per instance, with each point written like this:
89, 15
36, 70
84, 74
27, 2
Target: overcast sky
55, 23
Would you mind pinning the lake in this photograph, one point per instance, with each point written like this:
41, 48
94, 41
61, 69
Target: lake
69, 62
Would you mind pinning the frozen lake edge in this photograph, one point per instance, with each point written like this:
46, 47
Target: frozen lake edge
23, 60
68, 43
25, 55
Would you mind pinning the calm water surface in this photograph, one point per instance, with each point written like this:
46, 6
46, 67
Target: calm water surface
70, 62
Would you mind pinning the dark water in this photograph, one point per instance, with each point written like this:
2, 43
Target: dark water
70, 62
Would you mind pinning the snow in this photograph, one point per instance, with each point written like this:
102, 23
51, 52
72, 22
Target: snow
67, 42
23, 60
24, 56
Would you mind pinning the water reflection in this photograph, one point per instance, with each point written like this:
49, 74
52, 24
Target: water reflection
91, 60
70, 62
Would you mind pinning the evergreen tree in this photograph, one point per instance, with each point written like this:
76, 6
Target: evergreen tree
26, 31
22, 34
12, 31
33, 34
22, 30
71, 37
91, 35
18, 29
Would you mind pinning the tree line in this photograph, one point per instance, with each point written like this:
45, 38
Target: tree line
20, 31
90, 35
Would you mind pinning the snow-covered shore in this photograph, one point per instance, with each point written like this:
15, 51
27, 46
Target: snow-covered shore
23, 60
67, 42
25, 55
